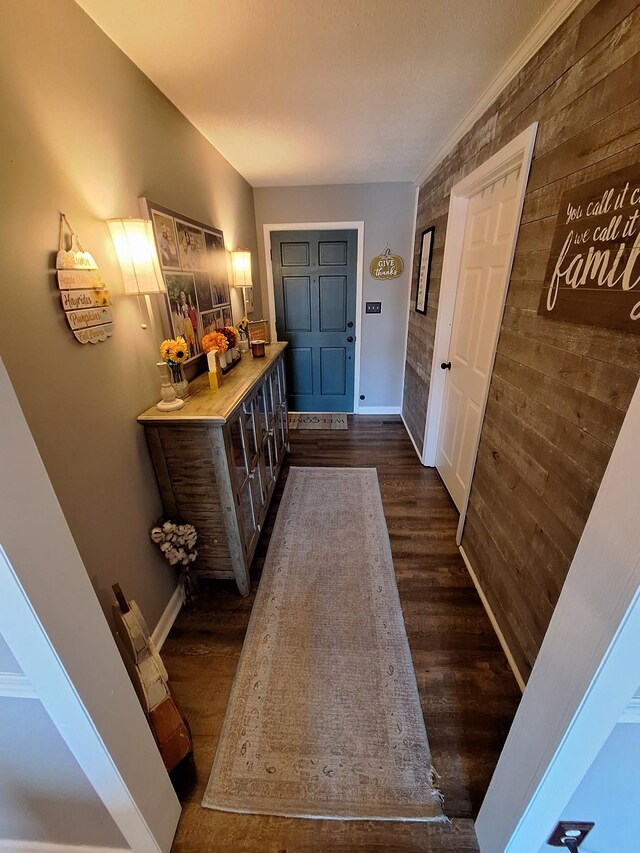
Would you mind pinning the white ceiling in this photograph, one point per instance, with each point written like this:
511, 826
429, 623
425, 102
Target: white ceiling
321, 91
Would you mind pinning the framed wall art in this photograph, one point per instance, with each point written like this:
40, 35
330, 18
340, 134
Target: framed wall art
194, 266
424, 268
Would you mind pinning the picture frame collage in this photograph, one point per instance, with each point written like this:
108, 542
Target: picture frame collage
194, 267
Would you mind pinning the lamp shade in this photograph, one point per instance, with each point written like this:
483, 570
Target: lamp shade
241, 265
136, 251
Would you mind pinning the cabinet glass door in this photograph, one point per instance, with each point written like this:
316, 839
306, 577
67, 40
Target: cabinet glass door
238, 449
247, 514
242, 458
275, 414
254, 438
253, 431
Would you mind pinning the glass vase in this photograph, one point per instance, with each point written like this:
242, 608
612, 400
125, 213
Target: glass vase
179, 380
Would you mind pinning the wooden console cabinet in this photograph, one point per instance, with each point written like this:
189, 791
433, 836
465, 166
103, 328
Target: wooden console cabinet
218, 458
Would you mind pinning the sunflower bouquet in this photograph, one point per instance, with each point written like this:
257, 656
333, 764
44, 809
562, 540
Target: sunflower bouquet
174, 351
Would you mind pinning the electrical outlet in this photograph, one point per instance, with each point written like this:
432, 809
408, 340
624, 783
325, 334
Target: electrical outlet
574, 829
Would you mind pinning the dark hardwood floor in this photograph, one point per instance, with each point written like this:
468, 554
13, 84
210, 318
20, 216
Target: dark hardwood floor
468, 693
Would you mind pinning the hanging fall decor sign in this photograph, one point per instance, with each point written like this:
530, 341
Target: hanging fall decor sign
386, 265
594, 268
85, 299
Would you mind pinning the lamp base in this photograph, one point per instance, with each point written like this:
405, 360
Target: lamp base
173, 406
170, 402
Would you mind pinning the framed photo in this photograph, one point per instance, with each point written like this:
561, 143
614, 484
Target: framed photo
164, 227
191, 246
210, 322
424, 269
194, 265
183, 308
203, 291
217, 266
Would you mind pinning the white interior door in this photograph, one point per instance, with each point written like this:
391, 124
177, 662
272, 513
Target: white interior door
482, 284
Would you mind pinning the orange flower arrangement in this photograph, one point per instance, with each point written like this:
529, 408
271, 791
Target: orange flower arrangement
214, 341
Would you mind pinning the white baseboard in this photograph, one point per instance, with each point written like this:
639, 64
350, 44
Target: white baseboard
15, 685
496, 627
11, 846
379, 410
415, 446
165, 623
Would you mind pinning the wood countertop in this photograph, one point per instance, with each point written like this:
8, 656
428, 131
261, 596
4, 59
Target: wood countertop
214, 407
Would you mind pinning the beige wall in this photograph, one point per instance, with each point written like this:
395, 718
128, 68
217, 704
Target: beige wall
387, 211
85, 132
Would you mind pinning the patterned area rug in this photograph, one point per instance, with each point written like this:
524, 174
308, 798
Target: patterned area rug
318, 420
324, 718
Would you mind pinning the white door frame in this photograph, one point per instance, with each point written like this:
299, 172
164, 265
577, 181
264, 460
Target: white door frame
55, 628
321, 226
587, 670
518, 152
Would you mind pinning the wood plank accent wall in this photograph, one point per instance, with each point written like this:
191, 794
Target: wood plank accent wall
559, 391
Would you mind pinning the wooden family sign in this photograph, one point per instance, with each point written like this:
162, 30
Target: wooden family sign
594, 268
86, 303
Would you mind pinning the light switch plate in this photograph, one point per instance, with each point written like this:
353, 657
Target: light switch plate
373, 308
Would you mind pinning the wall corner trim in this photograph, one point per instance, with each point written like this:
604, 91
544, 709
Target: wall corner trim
631, 714
165, 623
496, 627
546, 26
15, 685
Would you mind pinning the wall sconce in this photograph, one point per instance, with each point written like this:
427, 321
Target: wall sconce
136, 251
241, 268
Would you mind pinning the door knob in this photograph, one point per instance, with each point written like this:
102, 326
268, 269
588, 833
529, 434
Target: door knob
349, 340
349, 325
446, 365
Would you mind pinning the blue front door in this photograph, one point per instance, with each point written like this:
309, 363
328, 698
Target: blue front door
314, 276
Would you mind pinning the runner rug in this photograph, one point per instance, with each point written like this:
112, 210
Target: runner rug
324, 718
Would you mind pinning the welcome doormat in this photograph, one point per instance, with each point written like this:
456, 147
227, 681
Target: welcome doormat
318, 420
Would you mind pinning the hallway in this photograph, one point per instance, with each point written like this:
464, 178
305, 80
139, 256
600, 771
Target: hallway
467, 690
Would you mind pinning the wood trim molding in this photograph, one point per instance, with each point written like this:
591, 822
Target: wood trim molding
16, 685
631, 714
11, 846
494, 622
546, 26
169, 616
